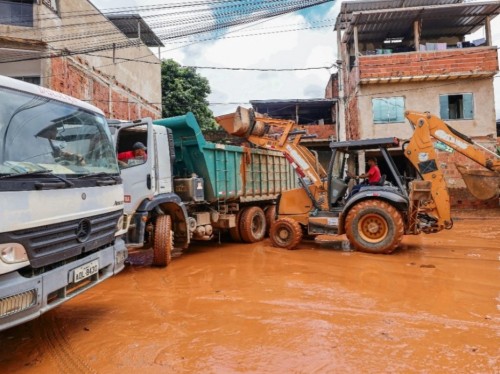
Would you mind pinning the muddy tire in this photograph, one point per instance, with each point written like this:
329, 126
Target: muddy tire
234, 232
252, 224
270, 217
286, 233
374, 226
163, 241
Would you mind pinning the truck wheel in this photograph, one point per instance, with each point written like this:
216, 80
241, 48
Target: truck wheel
286, 233
270, 217
163, 241
252, 224
234, 232
374, 226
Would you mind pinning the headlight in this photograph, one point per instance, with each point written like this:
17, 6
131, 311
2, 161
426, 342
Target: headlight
12, 253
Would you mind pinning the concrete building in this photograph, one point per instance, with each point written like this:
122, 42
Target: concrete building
71, 47
398, 55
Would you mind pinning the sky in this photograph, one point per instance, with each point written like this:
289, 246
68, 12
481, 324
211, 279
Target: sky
296, 49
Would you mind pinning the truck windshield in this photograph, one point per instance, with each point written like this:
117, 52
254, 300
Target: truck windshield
39, 133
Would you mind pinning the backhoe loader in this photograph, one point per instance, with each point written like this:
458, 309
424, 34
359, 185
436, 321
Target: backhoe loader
375, 218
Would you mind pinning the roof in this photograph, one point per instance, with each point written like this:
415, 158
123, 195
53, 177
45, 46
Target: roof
132, 24
359, 145
308, 111
450, 19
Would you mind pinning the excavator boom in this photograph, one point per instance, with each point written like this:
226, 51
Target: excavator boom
483, 184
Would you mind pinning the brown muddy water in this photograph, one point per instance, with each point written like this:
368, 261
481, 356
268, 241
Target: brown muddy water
431, 307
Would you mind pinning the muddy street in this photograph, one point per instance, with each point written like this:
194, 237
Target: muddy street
432, 306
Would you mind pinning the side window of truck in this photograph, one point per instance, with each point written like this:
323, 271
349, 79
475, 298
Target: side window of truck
132, 147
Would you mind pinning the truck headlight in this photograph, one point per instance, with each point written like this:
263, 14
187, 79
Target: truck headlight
12, 253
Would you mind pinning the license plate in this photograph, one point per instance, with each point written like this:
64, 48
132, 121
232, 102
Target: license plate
85, 271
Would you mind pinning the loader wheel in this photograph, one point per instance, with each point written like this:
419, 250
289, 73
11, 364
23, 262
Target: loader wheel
374, 226
252, 224
234, 232
286, 233
270, 217
163, 241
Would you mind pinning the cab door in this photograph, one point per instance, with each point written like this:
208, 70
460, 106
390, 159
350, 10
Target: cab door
139, 177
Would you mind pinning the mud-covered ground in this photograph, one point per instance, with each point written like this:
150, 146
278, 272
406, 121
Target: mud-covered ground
431, 307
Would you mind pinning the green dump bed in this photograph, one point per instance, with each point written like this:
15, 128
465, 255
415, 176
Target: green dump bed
230, 173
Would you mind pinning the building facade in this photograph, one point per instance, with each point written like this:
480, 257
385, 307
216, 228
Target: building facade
71, 47
398, 55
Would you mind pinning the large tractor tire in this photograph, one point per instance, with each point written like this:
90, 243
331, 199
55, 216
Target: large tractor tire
163, 241
270, 217
252, 224
286, 233
234, 232
374, 226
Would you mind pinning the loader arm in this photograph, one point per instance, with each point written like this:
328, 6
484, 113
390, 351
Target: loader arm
284, 136
421, 153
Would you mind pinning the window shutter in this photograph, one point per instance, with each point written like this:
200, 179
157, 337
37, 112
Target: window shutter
468, 106
444, 110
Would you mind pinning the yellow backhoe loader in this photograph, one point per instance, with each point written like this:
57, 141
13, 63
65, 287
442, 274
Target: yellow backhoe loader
375, 218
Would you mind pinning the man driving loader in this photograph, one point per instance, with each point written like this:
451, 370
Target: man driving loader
372, 177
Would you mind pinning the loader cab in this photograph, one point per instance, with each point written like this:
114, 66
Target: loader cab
343, 159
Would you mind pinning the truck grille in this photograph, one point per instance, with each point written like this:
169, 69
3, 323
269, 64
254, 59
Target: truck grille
52, 243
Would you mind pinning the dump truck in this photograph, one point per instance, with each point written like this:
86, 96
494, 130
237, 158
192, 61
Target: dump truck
61, 201
187, 188
376, 217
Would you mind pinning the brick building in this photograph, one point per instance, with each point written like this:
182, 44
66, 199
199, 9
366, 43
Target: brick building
71, 47
401, 55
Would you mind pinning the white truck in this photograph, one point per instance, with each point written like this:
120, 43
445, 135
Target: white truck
61, 201
187, 188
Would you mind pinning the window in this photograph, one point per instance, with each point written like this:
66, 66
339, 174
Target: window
16, 12
388, 109
31, 79
459, 106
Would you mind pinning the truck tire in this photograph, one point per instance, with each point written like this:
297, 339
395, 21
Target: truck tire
234, 232
374, 226
252, 224
286, 233
163, 241
270, 217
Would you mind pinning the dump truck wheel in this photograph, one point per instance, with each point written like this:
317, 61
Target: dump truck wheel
270, 217
163, 241
234, 232
286, 233
252, 224
374, 226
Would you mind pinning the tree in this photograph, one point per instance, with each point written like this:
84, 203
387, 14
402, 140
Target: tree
184, 90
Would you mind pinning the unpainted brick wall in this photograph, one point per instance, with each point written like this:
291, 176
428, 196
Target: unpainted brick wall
465, 60
76, 78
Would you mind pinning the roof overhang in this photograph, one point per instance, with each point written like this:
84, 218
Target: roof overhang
437, 21
428, 78
134, 26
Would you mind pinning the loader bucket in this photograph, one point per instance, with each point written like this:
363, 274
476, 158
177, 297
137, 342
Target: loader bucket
242, 123
237, 123
482, 184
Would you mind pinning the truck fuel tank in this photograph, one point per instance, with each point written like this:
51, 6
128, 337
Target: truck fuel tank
189, 189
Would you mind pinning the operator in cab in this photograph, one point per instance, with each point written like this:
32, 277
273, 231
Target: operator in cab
372, 177
138, 152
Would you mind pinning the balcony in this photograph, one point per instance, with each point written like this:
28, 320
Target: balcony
447, 64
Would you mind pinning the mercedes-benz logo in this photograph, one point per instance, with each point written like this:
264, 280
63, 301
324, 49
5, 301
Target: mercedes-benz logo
83, 230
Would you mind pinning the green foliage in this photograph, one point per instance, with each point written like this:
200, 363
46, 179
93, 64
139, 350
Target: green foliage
184, 90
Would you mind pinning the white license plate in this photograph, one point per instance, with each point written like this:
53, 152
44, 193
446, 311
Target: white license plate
85, 271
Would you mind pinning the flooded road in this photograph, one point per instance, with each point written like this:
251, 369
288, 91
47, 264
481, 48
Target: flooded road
431, 307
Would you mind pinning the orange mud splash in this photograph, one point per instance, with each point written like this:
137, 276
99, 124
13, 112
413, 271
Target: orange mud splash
433, 306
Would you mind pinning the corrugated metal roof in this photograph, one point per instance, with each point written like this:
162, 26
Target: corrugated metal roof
437, 21
129, 24
349, 7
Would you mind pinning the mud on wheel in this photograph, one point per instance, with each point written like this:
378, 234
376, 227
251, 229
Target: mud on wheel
252, 224
270, 217
234, 232
286, 233
374, 226
163, 241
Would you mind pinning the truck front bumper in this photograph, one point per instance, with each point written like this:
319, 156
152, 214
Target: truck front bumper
23, 299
